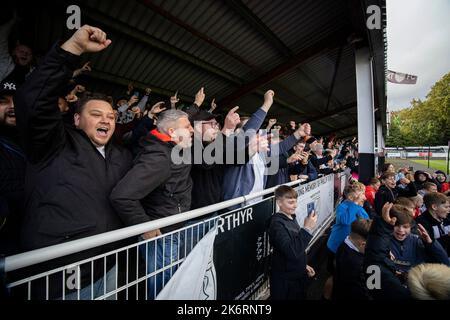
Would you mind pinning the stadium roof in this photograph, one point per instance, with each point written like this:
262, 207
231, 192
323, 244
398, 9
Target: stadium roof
236, 49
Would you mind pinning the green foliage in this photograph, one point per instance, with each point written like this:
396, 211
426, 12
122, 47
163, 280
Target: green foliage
424, 122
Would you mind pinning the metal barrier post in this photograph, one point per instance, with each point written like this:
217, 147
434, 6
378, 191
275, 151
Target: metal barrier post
3, 290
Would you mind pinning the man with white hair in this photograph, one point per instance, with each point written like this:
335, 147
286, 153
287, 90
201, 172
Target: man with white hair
157, 187
317, 158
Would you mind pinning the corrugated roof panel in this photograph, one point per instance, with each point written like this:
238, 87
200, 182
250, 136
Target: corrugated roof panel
174, 35
322, 69
300, 19
298, 83
298, 24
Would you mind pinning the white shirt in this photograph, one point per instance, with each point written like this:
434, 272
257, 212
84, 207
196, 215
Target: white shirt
102, 151
348, 242
258, 170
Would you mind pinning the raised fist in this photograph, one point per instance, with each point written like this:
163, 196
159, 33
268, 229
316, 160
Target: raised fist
268, 97
303, 131
86, 39
132, 100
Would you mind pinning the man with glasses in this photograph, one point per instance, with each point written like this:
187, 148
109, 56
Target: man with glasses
207, 172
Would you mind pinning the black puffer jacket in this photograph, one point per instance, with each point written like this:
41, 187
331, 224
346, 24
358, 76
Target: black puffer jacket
155, 187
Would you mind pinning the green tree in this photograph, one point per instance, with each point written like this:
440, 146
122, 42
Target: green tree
424, 122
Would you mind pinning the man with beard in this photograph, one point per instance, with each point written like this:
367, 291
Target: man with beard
12, 171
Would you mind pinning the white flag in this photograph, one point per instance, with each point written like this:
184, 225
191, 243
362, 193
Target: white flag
401, 78
196, 278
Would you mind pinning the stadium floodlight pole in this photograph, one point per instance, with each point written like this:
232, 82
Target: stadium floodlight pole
429, 151
448, 157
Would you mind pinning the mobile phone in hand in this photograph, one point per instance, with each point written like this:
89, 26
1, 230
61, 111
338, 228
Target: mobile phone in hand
136, 94
310, 208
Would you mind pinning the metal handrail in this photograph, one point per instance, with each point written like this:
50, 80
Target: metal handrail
33, 257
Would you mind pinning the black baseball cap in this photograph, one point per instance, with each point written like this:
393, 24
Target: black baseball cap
8, 87
203, 115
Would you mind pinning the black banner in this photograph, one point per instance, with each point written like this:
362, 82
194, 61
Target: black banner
241, 251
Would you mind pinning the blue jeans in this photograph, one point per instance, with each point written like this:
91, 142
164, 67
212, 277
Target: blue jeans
197, 231
159, 254
98, 288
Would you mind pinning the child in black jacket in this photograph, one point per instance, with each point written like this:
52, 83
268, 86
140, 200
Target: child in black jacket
435, 219
348, 277
289, 272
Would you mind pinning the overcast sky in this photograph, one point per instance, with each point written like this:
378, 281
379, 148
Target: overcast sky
418, 33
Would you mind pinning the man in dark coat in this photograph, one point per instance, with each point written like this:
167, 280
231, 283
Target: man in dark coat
389, 191
71, 170
12, 171
158, 186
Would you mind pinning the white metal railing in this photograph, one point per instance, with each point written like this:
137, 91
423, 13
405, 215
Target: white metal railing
135, 270
44, 254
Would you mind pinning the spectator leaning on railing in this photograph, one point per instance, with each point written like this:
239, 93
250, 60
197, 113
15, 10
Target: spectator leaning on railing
158, 187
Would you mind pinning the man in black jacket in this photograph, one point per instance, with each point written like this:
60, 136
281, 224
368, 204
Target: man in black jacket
207, 176
156, 187
71, 171
389, 191
12, 171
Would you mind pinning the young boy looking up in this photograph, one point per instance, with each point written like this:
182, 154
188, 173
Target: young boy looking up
409, 249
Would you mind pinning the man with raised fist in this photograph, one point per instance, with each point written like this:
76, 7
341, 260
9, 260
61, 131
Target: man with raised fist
71, 170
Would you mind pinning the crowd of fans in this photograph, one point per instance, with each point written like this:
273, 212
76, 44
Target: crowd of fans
75, 163
399, 222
